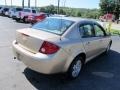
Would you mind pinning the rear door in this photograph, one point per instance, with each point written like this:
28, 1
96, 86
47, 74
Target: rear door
90, 42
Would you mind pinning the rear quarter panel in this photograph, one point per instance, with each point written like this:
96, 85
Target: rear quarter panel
72, 44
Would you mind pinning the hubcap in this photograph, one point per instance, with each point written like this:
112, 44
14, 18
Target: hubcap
76, 68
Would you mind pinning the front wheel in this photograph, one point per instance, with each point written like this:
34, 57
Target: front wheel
17, 20
32, 23
25, 20
75, 68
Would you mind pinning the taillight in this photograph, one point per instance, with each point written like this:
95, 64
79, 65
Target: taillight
48, 48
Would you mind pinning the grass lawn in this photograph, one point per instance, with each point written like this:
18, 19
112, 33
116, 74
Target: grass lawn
114, 32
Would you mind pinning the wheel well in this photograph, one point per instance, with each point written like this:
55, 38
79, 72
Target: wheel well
83, 55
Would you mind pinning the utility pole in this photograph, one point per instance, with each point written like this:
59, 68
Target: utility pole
11, 3
35, 3
28, 3
58, 6
23, 3
64, 2
5, 3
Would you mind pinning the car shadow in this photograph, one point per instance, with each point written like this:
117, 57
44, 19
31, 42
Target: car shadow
20, 22
98, 74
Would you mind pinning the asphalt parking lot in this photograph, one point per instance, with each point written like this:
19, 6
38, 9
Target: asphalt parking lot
102, 73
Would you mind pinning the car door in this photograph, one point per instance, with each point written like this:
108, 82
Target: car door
90, 42
101, 36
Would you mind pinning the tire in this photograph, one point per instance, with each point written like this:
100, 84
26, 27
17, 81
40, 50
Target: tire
108, 48
17, 20
32, 23
75, 68
25, 20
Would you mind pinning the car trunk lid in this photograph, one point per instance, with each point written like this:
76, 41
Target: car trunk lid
31, 39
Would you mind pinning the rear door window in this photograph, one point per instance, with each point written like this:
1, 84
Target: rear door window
27, 10
87, 30
33, 11
19, 9
6, 9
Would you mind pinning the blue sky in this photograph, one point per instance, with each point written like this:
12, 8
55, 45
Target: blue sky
69, 3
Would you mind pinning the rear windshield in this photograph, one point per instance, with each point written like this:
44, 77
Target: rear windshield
33, 11
6, 9
12, 9
19, 9
53, 25
27, 10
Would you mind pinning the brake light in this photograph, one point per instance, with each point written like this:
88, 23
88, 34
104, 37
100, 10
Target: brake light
48, 48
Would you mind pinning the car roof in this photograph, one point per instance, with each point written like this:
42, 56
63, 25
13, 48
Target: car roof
75, 19
19, 7
6, 8
30, 8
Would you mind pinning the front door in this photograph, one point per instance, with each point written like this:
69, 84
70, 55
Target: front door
100, 35
89, 40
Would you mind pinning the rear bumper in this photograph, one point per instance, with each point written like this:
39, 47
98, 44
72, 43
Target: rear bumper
47, 64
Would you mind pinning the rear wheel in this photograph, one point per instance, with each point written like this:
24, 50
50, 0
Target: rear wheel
25, 20
75, 67
32, 23
17, 20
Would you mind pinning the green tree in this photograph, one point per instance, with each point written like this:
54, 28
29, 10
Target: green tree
61, 11
42, 9
75, 12
79, 14
51, 9
110, 6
